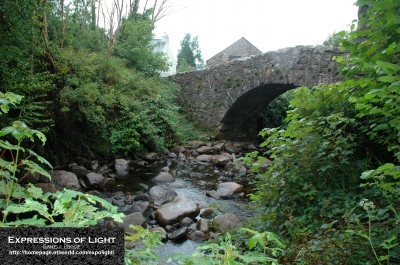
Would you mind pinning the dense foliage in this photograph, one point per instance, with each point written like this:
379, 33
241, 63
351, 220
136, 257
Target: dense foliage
333, 190
90, 89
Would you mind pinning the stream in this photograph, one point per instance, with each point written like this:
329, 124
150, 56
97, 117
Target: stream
194, 186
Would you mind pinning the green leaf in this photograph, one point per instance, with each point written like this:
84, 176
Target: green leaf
34, 192
341, 33
40, 158
367, 174
388, 67
388, 79
381, 127
324, 226
385, 167
6, 165
339, 59
7, 145
253, 242
387, 186
369, 96
33, 167
34, 221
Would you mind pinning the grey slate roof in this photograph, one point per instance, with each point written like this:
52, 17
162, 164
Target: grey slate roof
239, 49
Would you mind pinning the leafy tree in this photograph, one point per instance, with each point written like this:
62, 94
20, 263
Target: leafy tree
133, 45
190, 54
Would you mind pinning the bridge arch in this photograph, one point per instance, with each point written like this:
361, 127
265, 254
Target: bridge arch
228, 98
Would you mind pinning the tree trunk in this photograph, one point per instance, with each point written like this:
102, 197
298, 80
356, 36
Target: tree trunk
63, 24
45, 35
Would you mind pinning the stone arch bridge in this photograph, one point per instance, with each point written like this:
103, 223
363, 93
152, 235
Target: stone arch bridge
229, 98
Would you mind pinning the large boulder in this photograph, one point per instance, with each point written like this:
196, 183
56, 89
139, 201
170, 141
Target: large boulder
140, 207
213, 194
187, 222
172, 155
46, 187
179, 234
161, 194
79, 171
121, 166
34, 177
196, 144
233, 186
150, 157
202, 225
106, 184
175, 210
93, 179
226, 190
207, 213
206, 150
197, 236
220, 160
131, 219
204, 158
178, 149
64, 179
220, 146
163, 177
225, 222
94, 164
251, 147
230, 148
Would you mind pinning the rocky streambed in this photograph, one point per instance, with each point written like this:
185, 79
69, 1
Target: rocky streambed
190, 194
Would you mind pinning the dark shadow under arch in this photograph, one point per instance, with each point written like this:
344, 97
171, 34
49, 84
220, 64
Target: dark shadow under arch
240, 121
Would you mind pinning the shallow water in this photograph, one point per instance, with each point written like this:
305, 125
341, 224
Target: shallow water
139, 181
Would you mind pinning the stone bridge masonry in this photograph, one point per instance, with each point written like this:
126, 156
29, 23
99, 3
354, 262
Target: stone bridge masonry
229, 98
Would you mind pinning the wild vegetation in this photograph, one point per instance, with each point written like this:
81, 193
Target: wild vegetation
29, 206
91, 86
332, 192
331, 195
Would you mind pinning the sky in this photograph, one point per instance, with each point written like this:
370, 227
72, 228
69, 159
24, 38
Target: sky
268, 24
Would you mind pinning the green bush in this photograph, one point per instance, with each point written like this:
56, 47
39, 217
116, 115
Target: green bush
130, 110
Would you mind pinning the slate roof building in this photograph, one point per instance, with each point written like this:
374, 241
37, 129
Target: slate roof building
240, 49
162, 45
